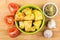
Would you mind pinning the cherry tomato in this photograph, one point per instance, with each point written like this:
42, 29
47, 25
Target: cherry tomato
13, 32
9, 20
13, 7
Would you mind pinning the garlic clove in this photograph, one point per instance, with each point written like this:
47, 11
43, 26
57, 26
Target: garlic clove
51, 24
48, 33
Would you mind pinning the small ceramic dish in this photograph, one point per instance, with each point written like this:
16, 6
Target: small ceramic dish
56, 9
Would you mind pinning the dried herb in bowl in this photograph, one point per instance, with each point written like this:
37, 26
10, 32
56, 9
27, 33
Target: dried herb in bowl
50, 9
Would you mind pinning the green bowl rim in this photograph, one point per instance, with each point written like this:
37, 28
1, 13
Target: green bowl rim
25, 6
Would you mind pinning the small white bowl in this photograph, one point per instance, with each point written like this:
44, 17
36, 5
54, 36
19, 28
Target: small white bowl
46, 14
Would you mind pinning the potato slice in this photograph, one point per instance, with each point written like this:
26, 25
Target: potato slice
29, 17
19, 16
37, 24
27, 29
27, 11
32, 28
21, 24
27, 25
38, 15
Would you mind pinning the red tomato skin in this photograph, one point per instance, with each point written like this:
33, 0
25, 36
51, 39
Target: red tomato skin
13, 7
9, 20
13, 32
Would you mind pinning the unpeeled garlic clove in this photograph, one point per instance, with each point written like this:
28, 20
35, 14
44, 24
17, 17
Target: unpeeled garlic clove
51, 24
48, 33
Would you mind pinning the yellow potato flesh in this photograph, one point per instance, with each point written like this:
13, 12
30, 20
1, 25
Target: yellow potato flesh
38, 15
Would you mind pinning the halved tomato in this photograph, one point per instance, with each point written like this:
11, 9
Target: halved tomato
9, 19
13, 7
13, 32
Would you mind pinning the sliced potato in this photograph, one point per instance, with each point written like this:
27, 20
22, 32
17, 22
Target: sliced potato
27, 29
29, 17
38, 15
27, 11
27, 25
21, 24
19, 16
32, 28
37, 24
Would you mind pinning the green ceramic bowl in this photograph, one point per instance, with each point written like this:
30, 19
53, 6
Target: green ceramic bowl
33, 7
